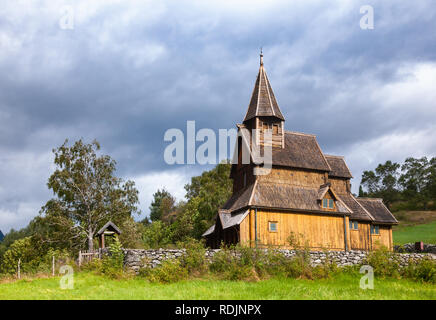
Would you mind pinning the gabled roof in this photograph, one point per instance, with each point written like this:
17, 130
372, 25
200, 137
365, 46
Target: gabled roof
279, 195
232, 219
338, 166
109, 226
358, 211
301, 150
263, 102
240, 199
209, 231
378, 210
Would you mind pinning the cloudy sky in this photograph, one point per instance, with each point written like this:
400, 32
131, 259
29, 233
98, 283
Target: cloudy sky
123, 72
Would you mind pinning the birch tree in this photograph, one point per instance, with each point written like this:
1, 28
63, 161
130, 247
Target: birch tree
87, 194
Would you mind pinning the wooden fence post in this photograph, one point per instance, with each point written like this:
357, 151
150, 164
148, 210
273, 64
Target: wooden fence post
80, 257
19, 271
53, 266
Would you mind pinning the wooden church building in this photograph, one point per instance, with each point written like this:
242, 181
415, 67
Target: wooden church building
306, 198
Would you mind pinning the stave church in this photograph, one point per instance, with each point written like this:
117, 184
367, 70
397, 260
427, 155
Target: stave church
304, 200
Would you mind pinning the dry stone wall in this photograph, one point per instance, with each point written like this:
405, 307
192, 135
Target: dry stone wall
410, 247
137, 258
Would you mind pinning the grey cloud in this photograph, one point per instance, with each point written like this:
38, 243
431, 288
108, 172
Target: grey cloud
126, 74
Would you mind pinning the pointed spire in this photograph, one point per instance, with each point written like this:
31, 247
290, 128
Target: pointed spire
263, 102
261, 57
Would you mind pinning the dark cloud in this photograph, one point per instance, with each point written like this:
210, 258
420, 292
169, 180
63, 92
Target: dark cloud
126, 74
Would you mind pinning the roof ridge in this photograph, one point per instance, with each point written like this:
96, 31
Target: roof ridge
300, 133
364, 209
334, 156
369, 198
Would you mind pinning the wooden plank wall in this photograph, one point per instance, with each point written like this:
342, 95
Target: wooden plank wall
294, 177
360, 239
319, 231
322, 232
383, 239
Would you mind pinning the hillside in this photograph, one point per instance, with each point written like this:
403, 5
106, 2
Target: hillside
415, 226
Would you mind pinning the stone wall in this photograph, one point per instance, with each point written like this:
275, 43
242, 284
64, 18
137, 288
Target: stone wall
137, 258
410, 247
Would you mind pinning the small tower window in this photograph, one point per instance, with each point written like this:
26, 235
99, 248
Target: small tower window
272, 226
275, 129
245, 179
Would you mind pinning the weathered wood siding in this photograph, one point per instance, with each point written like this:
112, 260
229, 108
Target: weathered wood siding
339, 185
244, 231
383, 239
318, 231
294, 177
360, 239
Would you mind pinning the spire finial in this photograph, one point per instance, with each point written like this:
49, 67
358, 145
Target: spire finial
261, 56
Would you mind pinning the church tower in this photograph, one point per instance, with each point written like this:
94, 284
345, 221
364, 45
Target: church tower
263, 111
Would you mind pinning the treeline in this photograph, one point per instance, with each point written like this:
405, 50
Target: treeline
410, 185
87, 194
170, 222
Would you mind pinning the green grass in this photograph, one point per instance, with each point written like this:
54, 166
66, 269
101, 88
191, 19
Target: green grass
420, 232
415, 226
342, 286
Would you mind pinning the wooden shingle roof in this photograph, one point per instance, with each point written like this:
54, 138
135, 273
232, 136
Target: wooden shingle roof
339, 168
109, 226
378, 210
301, 150
358, 211
278, 195
263, 103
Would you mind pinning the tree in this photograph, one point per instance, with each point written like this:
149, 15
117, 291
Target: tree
20, 249
431, 183
383, 182
415, 180
87, 193
162, 206
206, 194
361, 192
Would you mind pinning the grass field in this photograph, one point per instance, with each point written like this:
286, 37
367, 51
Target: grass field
415, 226
342, 286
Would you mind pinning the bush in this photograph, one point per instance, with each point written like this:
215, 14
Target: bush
299, 266
95, 265
229, 264
423, 270
21, 249
169, 271
112, 265
384, 262
194, 259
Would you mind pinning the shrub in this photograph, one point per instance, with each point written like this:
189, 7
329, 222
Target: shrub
299, 265
95, 265
384, 262
112, 264
243, 263
423, 270
233, 263
194, 259
169, 271
20, 250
